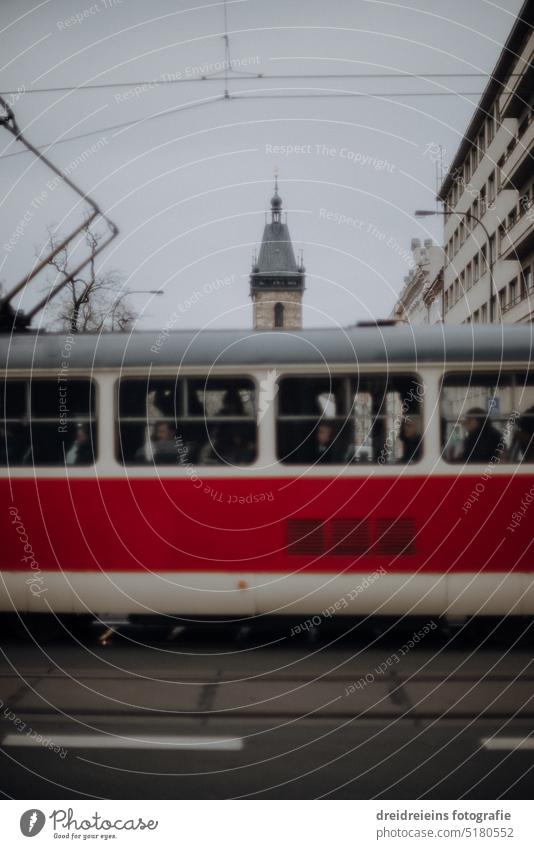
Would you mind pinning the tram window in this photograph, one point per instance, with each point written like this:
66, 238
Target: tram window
488, 418
363, 419
151, 399
47, 422
212, 398
74, 445
77, 395
188, 421
13, 399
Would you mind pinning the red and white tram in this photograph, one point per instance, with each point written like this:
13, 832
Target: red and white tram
376, 470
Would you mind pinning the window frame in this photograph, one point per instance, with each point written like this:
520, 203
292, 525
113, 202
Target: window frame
29, 420
184, 377
474, 374
349, 376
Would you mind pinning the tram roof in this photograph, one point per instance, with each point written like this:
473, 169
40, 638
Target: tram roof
363, 345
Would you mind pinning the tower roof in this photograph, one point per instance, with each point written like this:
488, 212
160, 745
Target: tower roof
277, 258
276, 252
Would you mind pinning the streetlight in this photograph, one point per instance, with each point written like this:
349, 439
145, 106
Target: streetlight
424, 213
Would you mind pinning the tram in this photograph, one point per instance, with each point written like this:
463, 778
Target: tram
362, 471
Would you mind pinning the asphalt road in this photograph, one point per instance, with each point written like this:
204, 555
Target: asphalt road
217, 714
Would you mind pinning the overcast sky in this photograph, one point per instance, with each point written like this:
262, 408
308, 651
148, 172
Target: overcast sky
189, 189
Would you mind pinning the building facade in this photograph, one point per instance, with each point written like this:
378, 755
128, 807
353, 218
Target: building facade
421, 299
277, 280
488, 195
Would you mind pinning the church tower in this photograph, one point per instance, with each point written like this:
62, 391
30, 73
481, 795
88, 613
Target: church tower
277, 281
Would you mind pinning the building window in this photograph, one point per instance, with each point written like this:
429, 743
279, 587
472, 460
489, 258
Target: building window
513, 292
490, 126
491, 190
483, 201
500, 166
502, 237
525, 201
475, 317
278, 315
476, 268
526, 281
484, 314
483, 260
492, 249
523, 125
502, 299
481, 142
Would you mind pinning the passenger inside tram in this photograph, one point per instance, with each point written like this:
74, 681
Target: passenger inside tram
328, 446
10, 451
162, 447
232, 404
81, 450
227, 444
411, 438
525, 435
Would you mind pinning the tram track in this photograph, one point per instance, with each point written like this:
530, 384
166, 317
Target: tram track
271, 697
219, 717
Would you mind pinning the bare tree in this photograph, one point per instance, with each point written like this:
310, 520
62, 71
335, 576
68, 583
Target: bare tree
92, 301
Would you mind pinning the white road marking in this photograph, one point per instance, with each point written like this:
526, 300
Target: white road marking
507, 744
105, 741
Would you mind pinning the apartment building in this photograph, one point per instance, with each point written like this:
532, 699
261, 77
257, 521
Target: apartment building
421, 299
488, 195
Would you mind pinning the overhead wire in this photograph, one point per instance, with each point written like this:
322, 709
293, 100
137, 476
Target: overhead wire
206, 78
120, 126
230, 74
253, 96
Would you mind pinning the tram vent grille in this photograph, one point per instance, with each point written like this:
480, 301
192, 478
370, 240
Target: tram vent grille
395, 536
350, 536
305, 536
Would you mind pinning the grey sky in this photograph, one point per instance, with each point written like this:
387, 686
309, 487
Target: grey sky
189, 190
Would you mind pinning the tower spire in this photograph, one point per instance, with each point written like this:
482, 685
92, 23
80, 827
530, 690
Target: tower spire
277, 280
276, 201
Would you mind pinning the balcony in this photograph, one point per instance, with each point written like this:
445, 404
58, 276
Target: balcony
515, 84
521, 309
518, 241
476, 239
520, 162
